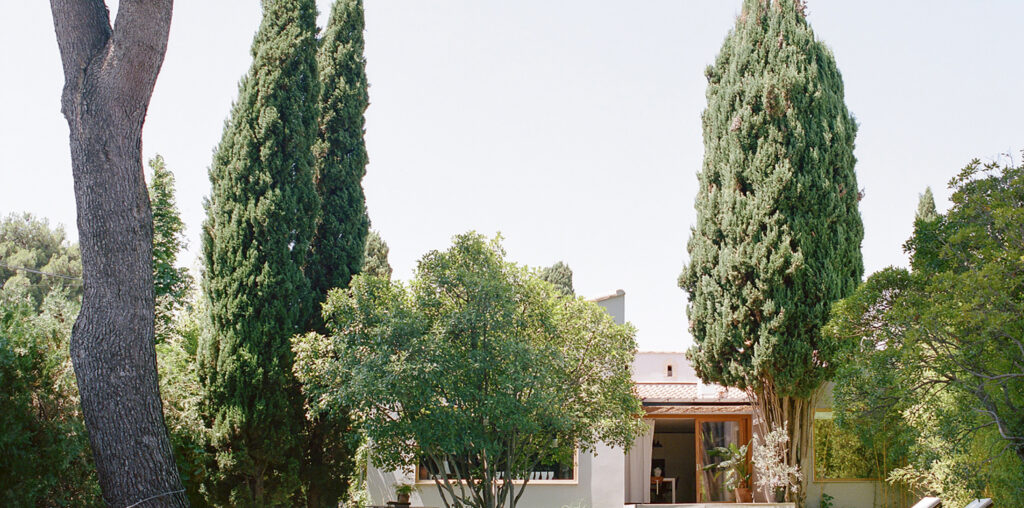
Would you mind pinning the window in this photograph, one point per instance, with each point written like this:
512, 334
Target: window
668, 370
839, 453
427, 470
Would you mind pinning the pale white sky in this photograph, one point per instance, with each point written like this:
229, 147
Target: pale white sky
573, 127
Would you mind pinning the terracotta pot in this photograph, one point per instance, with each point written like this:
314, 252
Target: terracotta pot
744, 495
403, 498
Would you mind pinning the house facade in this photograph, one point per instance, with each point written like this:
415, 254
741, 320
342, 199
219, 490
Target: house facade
685, 418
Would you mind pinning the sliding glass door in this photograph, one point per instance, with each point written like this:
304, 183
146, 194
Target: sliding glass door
712, 433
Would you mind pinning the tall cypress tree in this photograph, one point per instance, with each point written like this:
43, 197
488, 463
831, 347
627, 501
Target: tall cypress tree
261, 216
778, 231
337, 249
171, 284
337, 246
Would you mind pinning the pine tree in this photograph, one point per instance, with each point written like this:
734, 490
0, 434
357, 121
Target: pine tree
926, 206
778, 231
171, 284
261, 216
337, 248
375, 258
560, 275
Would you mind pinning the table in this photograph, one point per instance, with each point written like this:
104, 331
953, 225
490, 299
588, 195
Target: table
658, 480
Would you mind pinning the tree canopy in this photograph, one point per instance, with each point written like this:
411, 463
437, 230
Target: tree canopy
560, 275
935, 352
375, 260
28, 245
478, 363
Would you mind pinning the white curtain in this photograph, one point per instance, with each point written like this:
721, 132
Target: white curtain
638, 467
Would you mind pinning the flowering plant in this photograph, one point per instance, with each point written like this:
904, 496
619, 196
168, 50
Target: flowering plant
774, 474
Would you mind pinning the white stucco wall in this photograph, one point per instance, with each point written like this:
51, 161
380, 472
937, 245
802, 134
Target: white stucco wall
599, 484
650, 367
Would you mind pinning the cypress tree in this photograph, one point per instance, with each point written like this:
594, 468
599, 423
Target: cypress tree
375, 257
261, 216
778, 231
337, 248
171, 284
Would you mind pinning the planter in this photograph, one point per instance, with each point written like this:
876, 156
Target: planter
403, 499
744, 495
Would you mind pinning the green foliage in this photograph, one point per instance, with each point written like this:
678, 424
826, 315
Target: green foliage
934, 354
826, 501
778, 231
340, 152
733, 464
181, 393
44, 452
477, 362
560, 275
926, 207
375, 260
261, 216
29, 243
839, 453
171, 284
338, 245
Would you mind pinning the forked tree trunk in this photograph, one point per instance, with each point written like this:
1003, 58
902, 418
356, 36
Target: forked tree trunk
796, 415
109, 77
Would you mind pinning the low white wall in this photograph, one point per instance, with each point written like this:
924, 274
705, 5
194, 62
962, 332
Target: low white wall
854, 494
599, 484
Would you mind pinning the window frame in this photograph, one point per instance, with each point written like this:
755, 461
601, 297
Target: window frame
575, 480
814, 456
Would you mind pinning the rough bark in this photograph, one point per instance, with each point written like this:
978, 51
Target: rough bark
109, 77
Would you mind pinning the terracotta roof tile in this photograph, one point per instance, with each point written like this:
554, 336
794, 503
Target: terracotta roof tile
688, 392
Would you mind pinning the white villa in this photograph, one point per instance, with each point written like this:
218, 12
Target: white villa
685, 419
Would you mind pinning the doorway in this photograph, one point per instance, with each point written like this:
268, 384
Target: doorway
673, 456
673, 453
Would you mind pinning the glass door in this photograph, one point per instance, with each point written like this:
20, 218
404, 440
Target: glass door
713, 433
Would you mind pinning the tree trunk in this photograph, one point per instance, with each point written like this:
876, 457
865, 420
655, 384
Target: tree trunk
109, 77
796, 415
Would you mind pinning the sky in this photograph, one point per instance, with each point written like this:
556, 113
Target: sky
570, 127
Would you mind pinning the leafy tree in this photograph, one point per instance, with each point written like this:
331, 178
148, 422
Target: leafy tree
778, 231
560, 275
45, 459
375, 260
479, 363
171, 283
28, 246
944, 339
261, 216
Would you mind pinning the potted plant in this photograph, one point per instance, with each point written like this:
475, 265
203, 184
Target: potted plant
734, 465
402, 492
